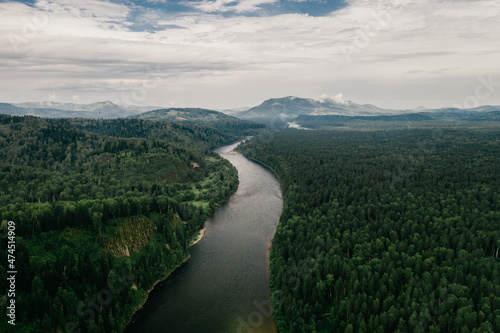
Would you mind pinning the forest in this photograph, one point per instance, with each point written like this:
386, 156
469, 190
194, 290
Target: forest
103, 210
190, 137
386, 231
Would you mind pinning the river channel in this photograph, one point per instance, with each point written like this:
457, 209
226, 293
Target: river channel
224, 287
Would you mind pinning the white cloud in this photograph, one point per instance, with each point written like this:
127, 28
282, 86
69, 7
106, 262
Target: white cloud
52, 97
338, 98
238, 6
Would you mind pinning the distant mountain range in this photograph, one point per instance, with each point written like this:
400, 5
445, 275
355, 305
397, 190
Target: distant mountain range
226, 124
292, 107
289, 108
315, 122
273, 111
104, 110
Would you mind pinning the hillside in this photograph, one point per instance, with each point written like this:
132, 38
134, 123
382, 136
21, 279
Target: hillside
316, 122
12, 110
93, 211
194, 116
183, 136
203, 117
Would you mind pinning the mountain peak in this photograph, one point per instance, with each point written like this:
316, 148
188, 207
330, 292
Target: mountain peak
291, 106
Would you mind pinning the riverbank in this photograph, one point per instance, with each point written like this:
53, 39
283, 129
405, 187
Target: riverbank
270, 239
266, 167
201, 234
240, 236
139, 307
194, 241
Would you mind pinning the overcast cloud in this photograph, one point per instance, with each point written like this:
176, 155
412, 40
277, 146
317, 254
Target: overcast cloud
224, 54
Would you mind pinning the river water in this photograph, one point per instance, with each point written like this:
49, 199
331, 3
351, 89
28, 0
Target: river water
224, 287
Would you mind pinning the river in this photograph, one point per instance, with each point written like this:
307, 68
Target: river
224, 287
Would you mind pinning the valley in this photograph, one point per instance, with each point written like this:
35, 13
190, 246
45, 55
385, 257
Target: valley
381, 213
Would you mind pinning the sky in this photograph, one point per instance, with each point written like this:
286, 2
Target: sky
223, 54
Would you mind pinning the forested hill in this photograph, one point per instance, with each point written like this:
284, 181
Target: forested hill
433, 119
98, 219
388, 231
184, 136
202, 117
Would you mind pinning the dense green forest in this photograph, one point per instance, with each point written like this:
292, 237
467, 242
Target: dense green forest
199, 138
99, 219
386, 231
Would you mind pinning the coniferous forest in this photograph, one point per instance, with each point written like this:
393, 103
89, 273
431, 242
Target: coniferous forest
100, 218
382, 230
386, 231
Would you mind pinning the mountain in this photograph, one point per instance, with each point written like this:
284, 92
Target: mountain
233, 112
307, 121
105, 110
193, 116
103, 107
202, 117
290, 107
482, 108
481, 113
310, 113
488, 116
11, 110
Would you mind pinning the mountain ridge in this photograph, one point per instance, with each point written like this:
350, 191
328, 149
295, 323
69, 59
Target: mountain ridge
98, 110
283, 108
291, 107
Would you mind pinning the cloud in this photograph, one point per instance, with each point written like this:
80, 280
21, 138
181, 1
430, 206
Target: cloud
238, 6
96, 50
338, 98
52, 97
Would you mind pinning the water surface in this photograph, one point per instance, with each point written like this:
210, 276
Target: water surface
224, 287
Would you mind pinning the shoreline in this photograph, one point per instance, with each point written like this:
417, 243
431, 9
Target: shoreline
193, 242
270, 239
140, 306
202, 233
269, 244
199, 238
